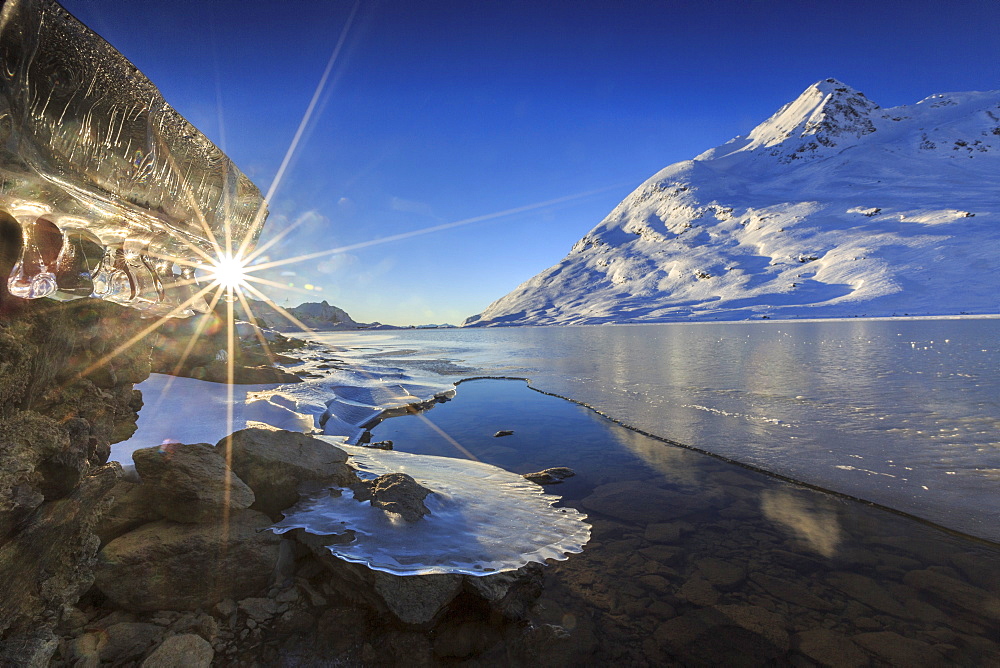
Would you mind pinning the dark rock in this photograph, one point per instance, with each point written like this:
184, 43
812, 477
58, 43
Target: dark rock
829, 648
943, 588
132, 506
897, 650
129, 640
869, 592
49, 562
725, 575
636, 502
790, 591
399, 493
172, 566
274, 463
550, 476
191, 482
416, 599
188, 650
511, 593
461, 639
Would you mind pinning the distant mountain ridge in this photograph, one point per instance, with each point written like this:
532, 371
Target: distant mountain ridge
315, 315
832, 207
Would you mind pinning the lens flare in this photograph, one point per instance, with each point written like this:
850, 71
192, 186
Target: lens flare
228, 272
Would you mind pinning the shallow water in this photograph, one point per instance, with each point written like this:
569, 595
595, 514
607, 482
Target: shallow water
904, 413
705, 562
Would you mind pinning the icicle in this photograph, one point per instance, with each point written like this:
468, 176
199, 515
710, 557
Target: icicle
41, 244
112, 280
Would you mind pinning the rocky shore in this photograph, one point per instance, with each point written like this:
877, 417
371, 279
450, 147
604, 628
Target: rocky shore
187, 573
178, 568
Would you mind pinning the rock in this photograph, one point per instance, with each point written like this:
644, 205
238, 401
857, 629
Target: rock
829, 648
503, 432
666, 532
792, 592
761, 622
259, 609
417, 599
399, 493
723, 574
182, 651
869, 592
274, 462
129, 640
511, 593
166, 565
31, 650
899, 651
49, 563
550, 476
972, 599
191, 483
464, 638
699, 591
636, 502
131, 507
338, 629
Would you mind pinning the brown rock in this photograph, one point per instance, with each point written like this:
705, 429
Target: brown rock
636, 502
725, 575
899, 651
129, 640
187, 650
753, 618
972, 599
868, 592
699, 591
275, 462
829, 648
417, 599
171, 566
399, 493
792, 592
191, 483
550, 476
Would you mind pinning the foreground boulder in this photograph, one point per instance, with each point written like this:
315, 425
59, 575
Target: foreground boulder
191, 482
396, 493
172, 566
275, 463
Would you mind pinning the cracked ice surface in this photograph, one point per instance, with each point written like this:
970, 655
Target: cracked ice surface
109, 184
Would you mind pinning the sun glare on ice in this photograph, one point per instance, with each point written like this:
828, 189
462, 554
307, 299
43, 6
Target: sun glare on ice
228, 272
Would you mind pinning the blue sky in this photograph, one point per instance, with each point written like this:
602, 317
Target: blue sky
443, 111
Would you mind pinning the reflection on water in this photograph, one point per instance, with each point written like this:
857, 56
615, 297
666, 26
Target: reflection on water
695, 561
902, 413
812, 520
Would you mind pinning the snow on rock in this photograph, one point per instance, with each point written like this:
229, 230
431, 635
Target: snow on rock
833, 207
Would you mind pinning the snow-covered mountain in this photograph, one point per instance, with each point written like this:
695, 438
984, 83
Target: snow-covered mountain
833, 207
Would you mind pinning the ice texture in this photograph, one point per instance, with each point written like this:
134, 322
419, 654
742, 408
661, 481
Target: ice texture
111, 186
483, 519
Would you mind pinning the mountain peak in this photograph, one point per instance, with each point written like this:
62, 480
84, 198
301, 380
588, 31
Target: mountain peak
825, 111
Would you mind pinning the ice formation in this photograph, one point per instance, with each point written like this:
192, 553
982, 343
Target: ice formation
483, 519
110, 185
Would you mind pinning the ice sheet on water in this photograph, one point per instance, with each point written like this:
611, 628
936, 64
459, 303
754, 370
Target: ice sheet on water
483, 519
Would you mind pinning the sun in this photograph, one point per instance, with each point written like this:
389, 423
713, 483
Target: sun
228, 272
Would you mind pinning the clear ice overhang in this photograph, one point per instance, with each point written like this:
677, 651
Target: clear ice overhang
116, 195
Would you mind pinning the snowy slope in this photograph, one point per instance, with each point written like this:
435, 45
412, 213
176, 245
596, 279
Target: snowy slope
833, 207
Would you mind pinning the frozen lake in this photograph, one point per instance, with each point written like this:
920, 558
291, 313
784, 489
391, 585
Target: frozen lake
904, 413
